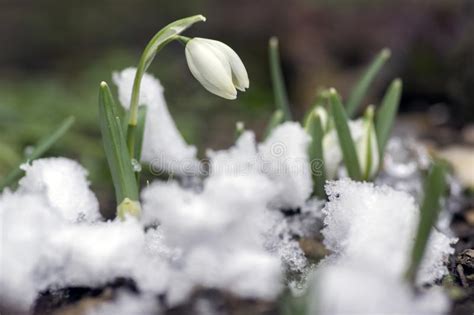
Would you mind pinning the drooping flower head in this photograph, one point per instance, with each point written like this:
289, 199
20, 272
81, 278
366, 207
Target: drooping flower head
217, 67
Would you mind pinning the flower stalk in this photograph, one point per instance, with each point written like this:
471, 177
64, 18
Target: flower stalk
158, 42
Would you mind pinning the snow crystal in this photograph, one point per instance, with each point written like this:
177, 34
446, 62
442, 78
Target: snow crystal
163, 145
369, 223
240, 160
55, 252
220, 233
286, 162
370, 231
350, 289
128, 304
26, 221
64, 183
282, 158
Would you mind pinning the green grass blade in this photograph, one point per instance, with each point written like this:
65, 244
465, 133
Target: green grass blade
279, 89
360, 89
435, 186
44, 144
314, 128
346, 142
118, 158
276, 119
385, 116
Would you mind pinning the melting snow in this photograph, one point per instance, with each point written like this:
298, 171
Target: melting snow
370, 231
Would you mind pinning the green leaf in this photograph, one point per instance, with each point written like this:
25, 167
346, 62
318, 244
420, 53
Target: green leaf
360, 89
119, 160
346, 142
435, 186
277, 118
386, 114
279, 89
160, 40
316, 155
44, 144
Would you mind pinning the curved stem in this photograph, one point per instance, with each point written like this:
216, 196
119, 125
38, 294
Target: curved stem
160, 40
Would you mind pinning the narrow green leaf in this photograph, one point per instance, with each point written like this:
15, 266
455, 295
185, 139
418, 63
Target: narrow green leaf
368, 159
44, 144
435, 186
279, 89
386, 114
360, 89
119, 160
346, 142
316, 155
276, 119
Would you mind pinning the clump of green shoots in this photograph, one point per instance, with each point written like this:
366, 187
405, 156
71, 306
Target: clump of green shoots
330, 112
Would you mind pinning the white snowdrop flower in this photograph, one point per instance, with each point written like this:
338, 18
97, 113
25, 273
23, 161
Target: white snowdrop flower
217, 67
367, 147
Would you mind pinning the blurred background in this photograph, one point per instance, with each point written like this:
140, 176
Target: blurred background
53, 54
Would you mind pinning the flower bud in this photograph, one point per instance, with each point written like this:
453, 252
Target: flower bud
367, 147
321, 112
217, 67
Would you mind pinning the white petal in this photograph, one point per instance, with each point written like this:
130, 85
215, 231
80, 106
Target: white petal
210, 68
239, 73
332, 154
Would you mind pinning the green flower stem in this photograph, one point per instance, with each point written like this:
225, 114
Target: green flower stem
160, 40
183, 39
